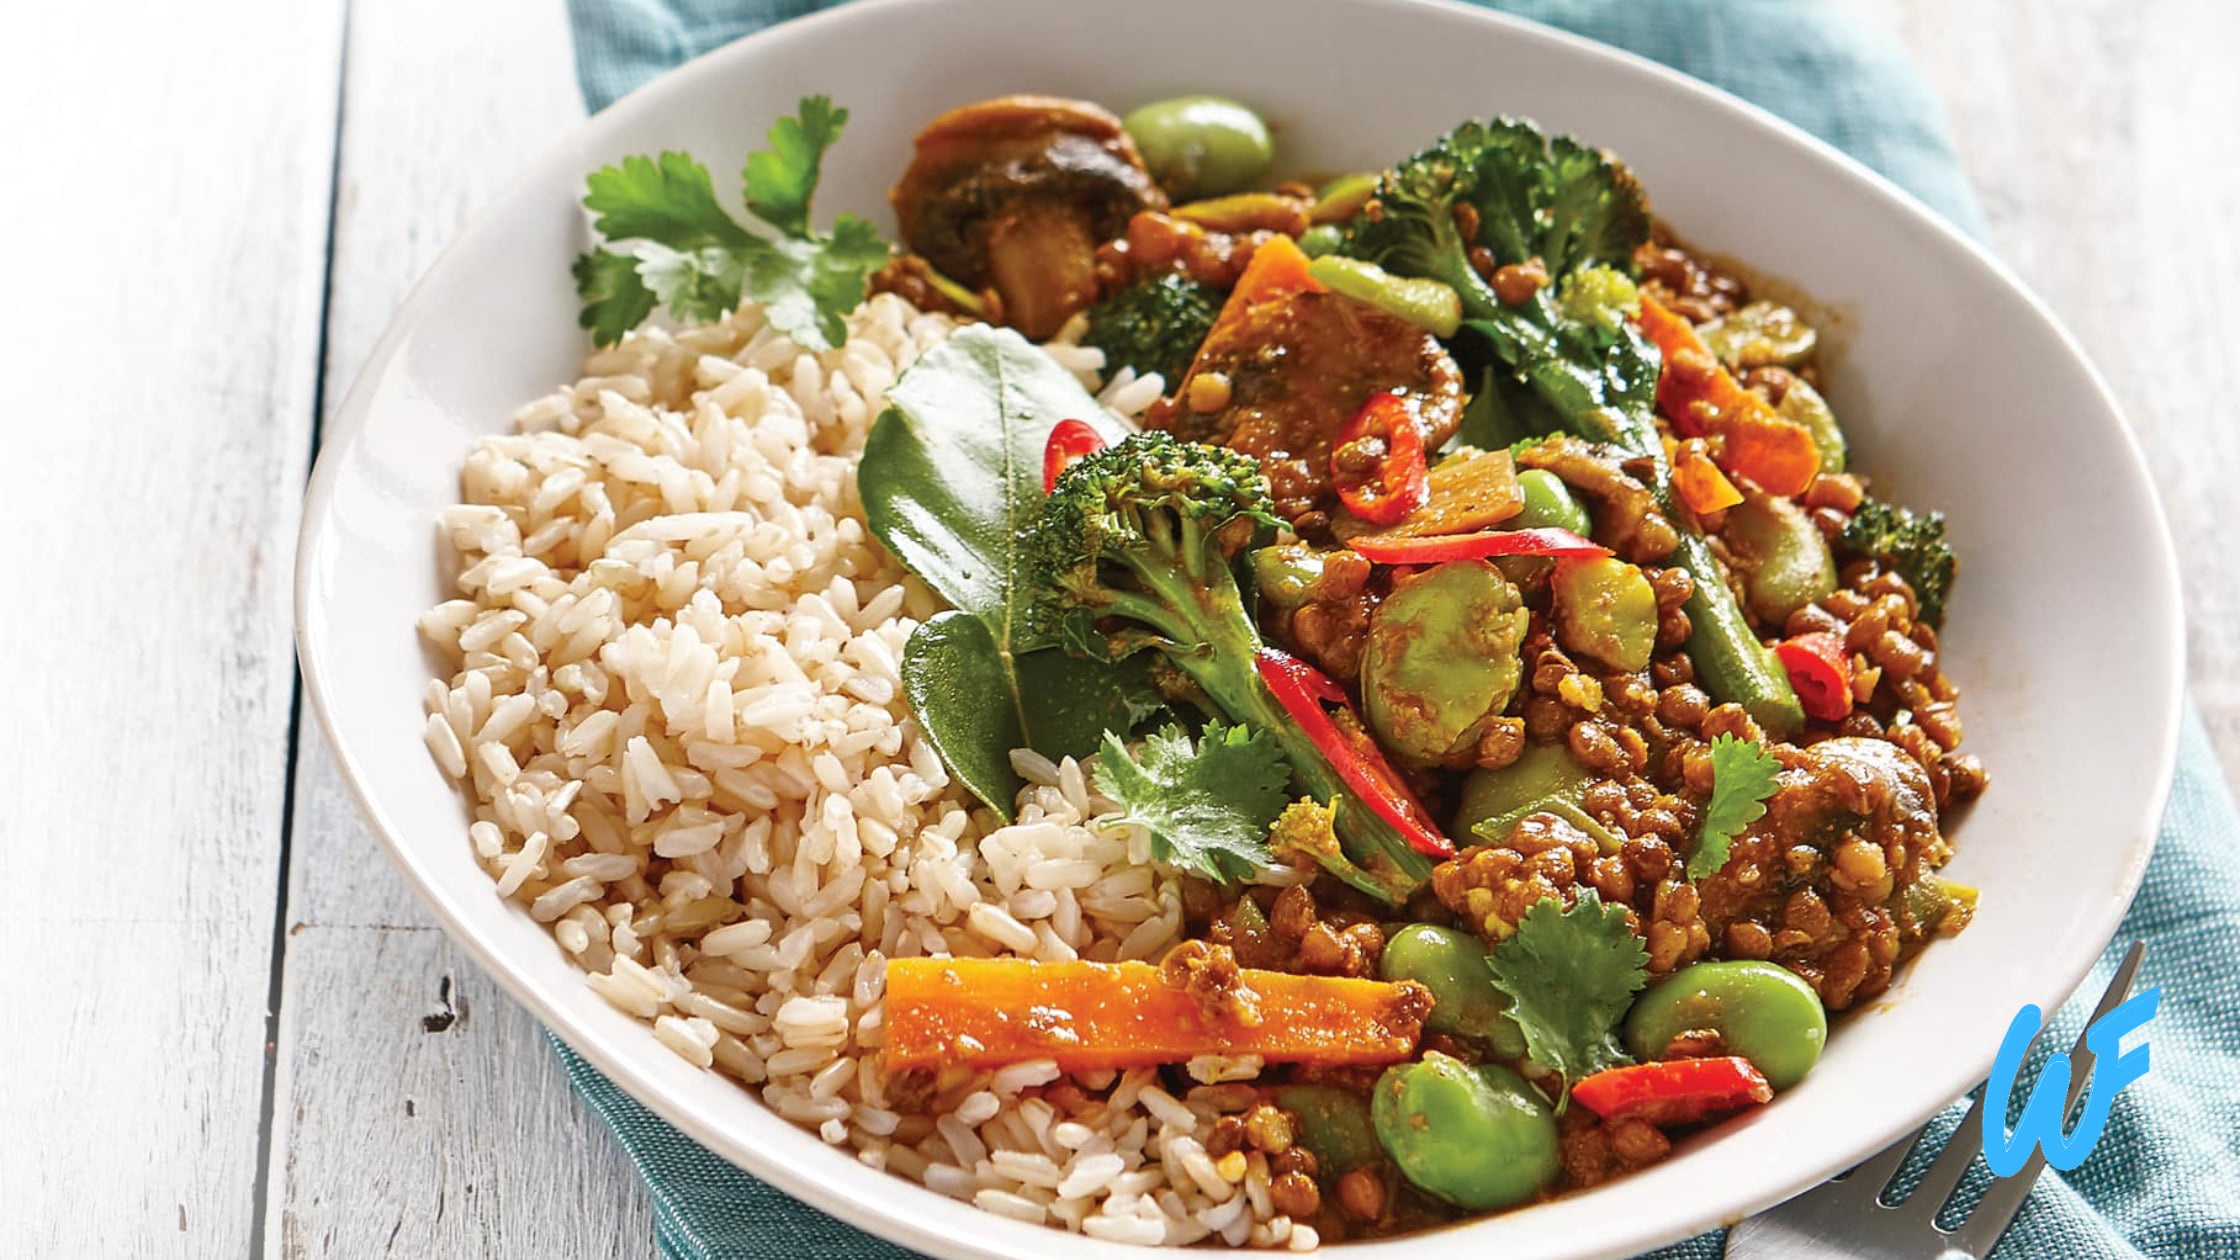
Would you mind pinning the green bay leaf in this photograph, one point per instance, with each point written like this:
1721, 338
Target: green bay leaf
976, 705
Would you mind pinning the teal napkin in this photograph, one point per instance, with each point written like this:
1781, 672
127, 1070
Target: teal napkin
2165, 1181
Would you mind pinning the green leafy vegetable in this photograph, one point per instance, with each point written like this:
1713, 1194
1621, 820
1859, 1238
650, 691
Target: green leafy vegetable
686, 252
1154, 325
1743, 777
615, 297
1208, 806
1912, 543
1570, 976
976, 704
1567, 358
1134, 553
782, 179
951, 478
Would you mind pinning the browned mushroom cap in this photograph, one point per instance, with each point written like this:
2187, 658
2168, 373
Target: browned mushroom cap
1016, 194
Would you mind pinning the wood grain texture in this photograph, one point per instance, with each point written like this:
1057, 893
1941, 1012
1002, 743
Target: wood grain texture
167, 232
2098, 135
420, 1111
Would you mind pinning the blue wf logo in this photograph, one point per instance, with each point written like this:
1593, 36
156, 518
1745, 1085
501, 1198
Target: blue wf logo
2051, 1098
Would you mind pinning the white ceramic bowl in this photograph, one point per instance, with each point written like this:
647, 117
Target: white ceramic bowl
1958, 389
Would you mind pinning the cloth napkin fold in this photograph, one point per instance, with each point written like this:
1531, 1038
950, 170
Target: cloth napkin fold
2165, 1180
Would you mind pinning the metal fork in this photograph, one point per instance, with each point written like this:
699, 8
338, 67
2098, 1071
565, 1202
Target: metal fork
1851, 1218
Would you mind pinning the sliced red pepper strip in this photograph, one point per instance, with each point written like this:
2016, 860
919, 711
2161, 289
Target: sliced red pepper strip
1069, 440
1436, 548
1401, 480
1303, 690
1820, 671
1676, 1091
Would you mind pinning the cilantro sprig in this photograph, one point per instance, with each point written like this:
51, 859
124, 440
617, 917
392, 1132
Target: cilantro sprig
1570, 976
1208, 806
1743, 777
670, 242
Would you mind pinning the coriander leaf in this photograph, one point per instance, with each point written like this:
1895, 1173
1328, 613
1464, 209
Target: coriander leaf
698, 286
671, 201
809, 284
615, 296
1743, 776
1570, 976
782, 178
1207, 807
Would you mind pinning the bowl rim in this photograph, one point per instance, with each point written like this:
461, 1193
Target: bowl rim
909, 1226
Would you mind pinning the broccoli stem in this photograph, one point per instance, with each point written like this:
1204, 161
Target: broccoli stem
1213, 640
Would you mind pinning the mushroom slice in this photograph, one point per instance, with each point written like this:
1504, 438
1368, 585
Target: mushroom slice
1015, 194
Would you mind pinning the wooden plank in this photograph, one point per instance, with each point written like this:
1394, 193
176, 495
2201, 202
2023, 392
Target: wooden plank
163, 326
2090, 129
421, 1112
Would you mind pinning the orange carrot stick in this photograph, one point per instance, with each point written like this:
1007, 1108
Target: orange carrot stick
1701, 397
987, 1012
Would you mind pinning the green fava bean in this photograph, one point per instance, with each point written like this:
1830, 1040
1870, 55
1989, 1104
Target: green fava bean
1464, 1001
1761, 334
1803, 404
1334, 1124
1545, 778
1785, 561
1549, 504
1605, 609
1761, 1011
1478, 1138
1201, 146
1441, 660
1321, 239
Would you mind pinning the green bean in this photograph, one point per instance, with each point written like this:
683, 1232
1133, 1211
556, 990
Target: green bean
1427, 304
1464, 1001
1549, 504
1201, 146
1761, 1011
1343, 197
1479, 1138
1605, 609
1334, 1124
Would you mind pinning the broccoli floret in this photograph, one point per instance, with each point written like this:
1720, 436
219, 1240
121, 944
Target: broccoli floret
1912, 543
1135, 551
1557, 200
1154, 325
1566, 358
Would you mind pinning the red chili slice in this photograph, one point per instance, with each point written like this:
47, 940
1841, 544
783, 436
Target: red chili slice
1676, 1091
1820, 671
1303, 690
1399, 482
1069, 440
1436, 548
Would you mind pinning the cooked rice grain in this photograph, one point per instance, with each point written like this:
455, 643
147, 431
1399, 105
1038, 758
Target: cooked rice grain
673, 701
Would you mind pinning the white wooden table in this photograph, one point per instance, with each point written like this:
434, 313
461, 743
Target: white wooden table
261, 1046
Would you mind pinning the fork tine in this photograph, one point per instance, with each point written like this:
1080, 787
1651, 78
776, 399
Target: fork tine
1996, 1210
1874, 1173
1944, 1173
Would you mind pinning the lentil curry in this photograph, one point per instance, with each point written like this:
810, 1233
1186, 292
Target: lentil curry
1484, 624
